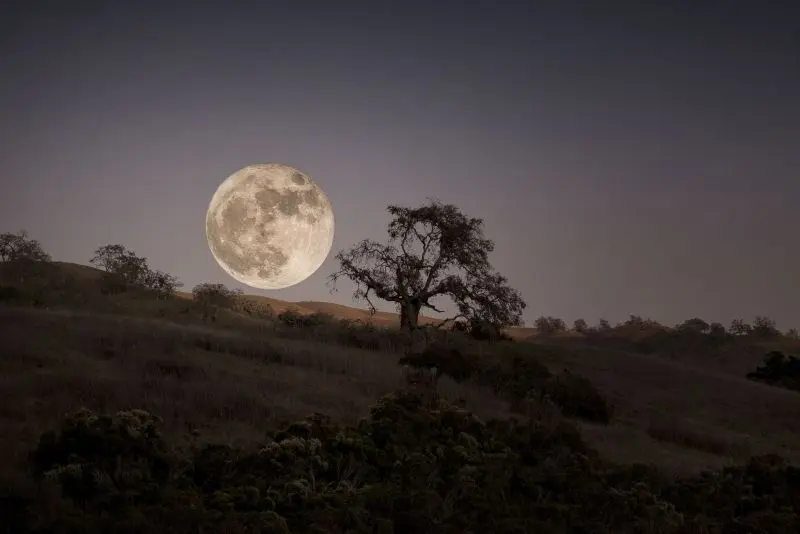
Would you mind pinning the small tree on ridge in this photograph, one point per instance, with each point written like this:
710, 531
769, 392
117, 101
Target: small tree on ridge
126, 268
16, 247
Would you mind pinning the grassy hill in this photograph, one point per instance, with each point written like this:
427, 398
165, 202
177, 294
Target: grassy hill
395, 458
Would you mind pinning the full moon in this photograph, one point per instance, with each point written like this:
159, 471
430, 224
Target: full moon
269, 226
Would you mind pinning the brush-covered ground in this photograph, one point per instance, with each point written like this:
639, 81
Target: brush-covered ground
125, 413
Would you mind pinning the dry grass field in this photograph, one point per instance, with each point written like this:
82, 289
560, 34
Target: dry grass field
231, 381
227, 384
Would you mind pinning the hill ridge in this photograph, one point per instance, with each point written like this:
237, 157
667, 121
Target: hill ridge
304, 307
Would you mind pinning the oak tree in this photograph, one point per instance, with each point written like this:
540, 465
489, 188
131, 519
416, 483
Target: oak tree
21, 257
433, 251
549, 325
20, 247
695, 325
740, 328
210, 297
124, 268
580, 326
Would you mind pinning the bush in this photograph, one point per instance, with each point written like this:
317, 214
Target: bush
210, 298
778, 370
10, 294
486, 331
549, 325
109, 465
410, 466
208, 294
577, 397
293, 318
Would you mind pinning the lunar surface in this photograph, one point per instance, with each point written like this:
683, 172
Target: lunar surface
269, 226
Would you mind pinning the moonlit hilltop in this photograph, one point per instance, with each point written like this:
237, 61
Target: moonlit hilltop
512, 328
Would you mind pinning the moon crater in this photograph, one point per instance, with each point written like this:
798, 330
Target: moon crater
269, 226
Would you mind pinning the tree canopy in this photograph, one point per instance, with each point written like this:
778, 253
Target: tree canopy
433, 251
20, 247
129, 269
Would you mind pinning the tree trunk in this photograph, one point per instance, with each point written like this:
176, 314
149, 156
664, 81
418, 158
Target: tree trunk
409, 314
409, 322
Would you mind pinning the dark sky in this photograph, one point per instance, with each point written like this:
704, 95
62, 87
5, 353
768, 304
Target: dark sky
627, 158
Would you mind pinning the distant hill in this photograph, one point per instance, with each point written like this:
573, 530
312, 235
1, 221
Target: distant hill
340, 311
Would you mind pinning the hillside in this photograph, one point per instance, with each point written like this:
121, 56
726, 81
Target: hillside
678, 404
339, 311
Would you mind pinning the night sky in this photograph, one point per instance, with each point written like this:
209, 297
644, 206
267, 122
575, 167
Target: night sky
627, 158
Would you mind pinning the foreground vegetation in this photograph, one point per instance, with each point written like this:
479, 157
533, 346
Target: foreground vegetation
194, 433
133, 410
409, 466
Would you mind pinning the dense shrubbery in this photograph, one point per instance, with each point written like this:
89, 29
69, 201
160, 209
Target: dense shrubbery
409, 466
516, 378
577, 397
778, 370
291, 317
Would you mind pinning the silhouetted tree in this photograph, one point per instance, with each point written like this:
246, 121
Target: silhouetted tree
254, 308
549, 325
17, 247
695, 325
124, 263
580, 326
24, 253
636, 322
432, 251
778, 369
764, 327
716, 330
215, 294
211, 297
125, 269
486, 331
792, 333
163, 284
603, 326
739, 327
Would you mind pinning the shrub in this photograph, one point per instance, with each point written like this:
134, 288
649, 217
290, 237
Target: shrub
577, 397
486, 331
215, 295
549, 325
695, 325
764, 327
293, 318
778, 369
448, 361
411, 465
10, 294
106, 461
580, 326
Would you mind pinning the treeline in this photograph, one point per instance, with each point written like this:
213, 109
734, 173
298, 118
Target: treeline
762, 327
125, 270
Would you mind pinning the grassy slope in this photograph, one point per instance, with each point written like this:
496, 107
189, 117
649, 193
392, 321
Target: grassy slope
230, 380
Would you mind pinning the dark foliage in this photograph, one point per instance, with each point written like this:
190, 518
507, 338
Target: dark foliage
433, 251
517, 377
291, 317
125, 271
409, 466
778, 370
577, 397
